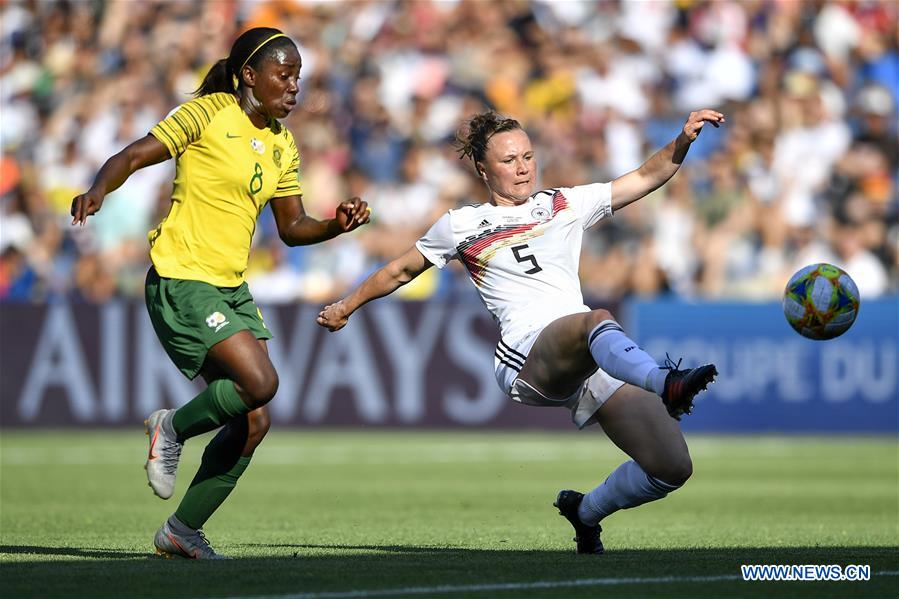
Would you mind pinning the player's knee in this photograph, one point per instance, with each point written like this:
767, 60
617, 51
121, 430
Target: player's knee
675, 470
261, 387
600, 315
258, 422
268, 387
682, 471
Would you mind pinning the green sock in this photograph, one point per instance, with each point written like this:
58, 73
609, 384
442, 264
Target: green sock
222, 465
215, 406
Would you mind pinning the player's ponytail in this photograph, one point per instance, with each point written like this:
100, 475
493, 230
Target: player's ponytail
474, 135
218, 79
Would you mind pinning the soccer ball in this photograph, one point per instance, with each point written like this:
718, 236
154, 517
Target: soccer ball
821, 301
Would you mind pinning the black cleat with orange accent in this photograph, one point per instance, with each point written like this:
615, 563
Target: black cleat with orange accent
681, 386
586, 537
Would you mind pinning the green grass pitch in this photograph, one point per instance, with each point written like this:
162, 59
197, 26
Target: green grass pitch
328, 514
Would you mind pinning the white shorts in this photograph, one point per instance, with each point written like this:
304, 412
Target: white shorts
584, 403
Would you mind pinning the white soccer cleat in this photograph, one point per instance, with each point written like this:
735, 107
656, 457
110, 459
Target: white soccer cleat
192, 545
165, 451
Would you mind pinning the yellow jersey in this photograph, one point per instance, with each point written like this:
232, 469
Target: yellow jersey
227, 170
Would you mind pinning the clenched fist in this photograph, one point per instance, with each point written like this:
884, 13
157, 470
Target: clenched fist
333, 317
352, 213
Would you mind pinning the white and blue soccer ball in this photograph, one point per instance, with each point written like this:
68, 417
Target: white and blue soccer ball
821, 301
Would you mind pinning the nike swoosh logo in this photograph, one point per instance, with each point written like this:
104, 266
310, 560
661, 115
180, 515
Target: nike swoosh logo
229, 136
152, 455
196, 552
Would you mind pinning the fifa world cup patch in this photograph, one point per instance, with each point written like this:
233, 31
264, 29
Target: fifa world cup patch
216, 321
258, 146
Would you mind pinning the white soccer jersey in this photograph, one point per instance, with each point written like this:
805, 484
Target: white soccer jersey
522, 259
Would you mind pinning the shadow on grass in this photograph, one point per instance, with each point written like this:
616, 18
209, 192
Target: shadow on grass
69, 551
374, 570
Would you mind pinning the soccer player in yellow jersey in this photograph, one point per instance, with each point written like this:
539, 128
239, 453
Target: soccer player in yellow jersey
233, 157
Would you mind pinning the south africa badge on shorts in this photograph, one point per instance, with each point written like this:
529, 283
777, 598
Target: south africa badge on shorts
276, 156
216, 321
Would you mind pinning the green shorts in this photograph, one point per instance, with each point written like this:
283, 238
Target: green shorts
191, 316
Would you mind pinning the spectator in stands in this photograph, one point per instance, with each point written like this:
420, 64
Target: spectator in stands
387, 79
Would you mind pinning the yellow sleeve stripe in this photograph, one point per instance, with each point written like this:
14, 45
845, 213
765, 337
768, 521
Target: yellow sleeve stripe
287, 190
160, 133
198, 120
187, 123
218, 102
186, 131
205, 114
290, 182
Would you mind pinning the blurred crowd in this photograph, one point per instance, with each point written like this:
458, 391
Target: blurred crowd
805, 170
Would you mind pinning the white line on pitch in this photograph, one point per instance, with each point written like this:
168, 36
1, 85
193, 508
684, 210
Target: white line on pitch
512, 586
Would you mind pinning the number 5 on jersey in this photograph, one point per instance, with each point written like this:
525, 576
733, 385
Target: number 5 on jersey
516, 251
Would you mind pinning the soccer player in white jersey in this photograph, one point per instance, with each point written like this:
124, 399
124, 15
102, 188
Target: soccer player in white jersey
521, 249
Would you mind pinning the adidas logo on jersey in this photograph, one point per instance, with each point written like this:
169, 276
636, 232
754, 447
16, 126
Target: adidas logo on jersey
483, 223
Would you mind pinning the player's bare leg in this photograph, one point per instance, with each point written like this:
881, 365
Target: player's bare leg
225, 459
641, 427
634, 419
560, 359
569, 349
258, 421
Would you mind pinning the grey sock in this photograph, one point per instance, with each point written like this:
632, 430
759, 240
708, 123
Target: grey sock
178, 526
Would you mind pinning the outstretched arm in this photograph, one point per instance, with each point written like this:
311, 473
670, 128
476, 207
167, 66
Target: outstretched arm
115, 171
662, 165
295, 227
383, 282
